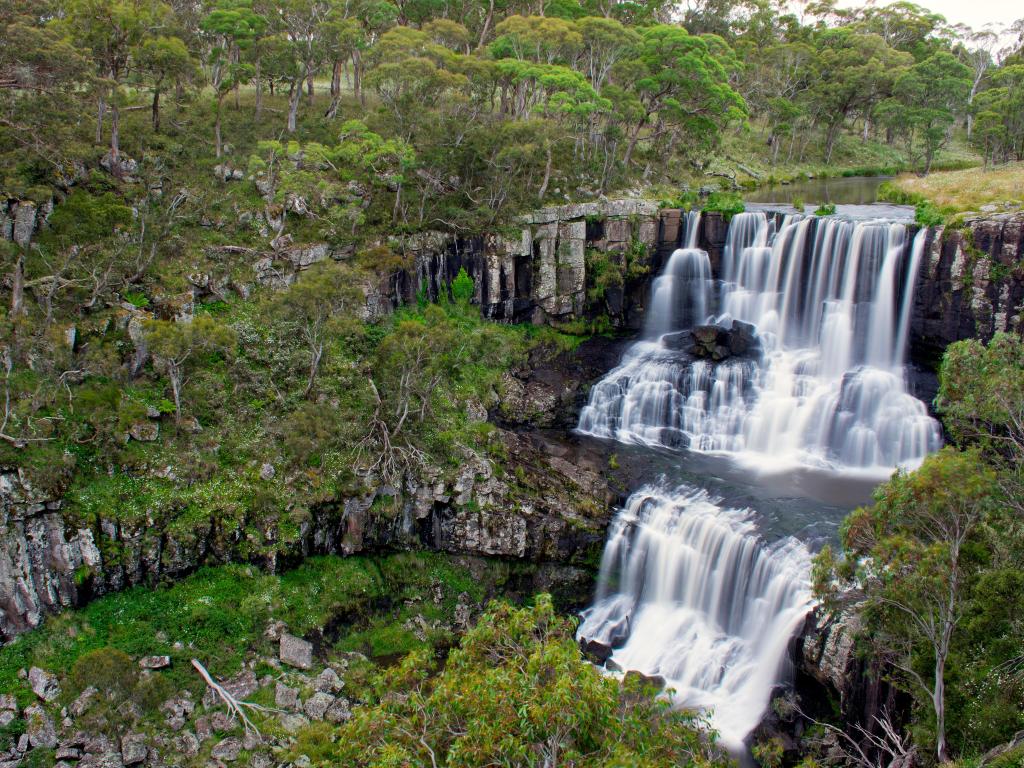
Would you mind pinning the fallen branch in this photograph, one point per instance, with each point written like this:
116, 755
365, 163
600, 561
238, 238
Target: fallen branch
236, 707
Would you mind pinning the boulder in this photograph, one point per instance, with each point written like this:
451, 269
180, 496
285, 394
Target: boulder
133, 748
328, 681
595, 651
39, 727
339, 711
316, 706
44, 685
227, 750
144, 431
82, 703
155, 662
286, 697
296, 652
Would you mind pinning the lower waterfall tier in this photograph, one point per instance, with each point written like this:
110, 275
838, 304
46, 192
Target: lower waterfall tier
689, 592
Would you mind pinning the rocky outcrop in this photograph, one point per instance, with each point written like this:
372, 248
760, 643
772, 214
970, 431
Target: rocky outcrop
553, 511
971, 284
541, 276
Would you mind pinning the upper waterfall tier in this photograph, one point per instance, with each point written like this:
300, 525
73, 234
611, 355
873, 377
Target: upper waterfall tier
830, 301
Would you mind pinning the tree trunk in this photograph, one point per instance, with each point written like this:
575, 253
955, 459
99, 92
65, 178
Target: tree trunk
294, 95
357, 76
317, 352
174, 374
830, 139
632, 142
547, 175
259, 90
939, 702
332, 110
487, 24
18, 286
115, 137
101, 108
309, 82
156, 109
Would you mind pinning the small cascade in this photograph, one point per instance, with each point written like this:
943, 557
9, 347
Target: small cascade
830, 301
689, 592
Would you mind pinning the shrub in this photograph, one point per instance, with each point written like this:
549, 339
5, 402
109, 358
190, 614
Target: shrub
726, 203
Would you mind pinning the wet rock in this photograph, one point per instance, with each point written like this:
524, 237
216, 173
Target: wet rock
134, 749
717, 343
595, 650
296, 652
44, 685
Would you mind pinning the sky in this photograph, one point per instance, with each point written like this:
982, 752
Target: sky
975, 13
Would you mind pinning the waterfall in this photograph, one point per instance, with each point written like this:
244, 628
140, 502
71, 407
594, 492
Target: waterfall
830, 301
689, 592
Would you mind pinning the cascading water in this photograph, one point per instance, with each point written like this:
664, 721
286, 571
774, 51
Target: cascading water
830, 301
689, 592
687, 589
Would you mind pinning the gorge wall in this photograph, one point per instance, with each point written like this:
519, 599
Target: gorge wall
555, 270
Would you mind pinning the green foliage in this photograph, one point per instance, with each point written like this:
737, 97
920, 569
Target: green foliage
726, 203
220, 613
462, 288
516, 689
927, 215
825, 209
981, 393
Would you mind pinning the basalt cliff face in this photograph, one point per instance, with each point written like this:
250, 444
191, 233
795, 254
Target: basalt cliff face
970, 283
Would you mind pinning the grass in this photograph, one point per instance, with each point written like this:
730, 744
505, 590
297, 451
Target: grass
967, 190
218, 615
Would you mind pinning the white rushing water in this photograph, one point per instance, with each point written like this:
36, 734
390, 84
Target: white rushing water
689, 592
830, 300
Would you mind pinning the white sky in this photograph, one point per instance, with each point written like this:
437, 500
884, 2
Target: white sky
975, 13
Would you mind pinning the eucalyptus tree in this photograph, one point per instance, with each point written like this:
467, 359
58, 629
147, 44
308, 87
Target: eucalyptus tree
681, 82
857, 71
112, 32
931, 94
234, 26
163, 60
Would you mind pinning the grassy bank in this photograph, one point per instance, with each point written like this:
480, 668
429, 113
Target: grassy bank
963, 190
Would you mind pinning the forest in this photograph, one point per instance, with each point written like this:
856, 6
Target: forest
246, 370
